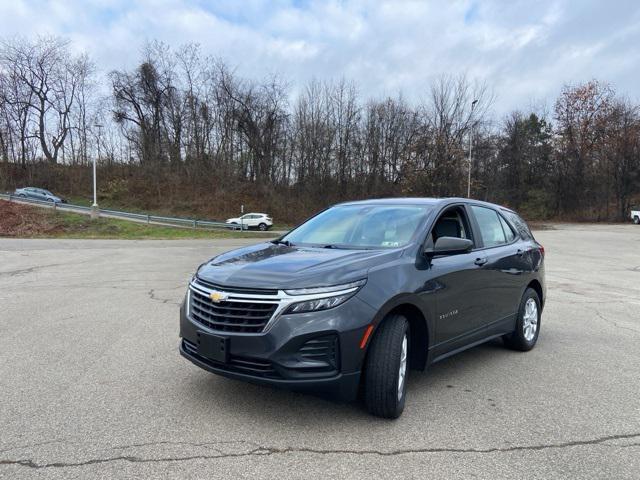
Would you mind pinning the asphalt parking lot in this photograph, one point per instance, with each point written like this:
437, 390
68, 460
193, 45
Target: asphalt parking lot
92, 385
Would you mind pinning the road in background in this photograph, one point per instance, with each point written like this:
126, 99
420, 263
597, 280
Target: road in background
93, 386
148, 219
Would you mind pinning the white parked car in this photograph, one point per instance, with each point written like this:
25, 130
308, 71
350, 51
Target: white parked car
261, 221
635, 215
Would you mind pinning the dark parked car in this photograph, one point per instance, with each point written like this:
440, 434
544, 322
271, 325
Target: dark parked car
38, 194
363, 292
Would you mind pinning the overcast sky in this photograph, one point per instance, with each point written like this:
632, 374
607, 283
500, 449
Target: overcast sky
526, 50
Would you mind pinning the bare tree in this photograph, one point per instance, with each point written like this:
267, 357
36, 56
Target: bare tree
50, 74
185, 128
581, 114
17, 116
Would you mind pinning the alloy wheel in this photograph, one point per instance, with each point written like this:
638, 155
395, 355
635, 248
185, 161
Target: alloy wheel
530, 320
402, 372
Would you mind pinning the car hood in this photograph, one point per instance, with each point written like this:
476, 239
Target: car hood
269, 265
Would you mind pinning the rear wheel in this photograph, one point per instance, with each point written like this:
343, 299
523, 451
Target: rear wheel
636, 220
262, 227
386, 368
525, 336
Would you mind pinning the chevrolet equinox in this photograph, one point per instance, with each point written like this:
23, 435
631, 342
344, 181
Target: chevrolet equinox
351, 300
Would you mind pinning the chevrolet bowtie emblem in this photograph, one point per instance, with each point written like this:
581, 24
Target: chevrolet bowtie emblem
217, 297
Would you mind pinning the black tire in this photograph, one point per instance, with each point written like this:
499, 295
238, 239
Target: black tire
382, 368
22, 195
50, 200
636, 220
519, 340
262, 227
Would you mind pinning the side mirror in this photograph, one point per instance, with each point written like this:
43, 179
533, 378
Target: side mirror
450, 246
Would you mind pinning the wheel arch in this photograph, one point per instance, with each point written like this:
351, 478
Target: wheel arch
418, 325
535, 284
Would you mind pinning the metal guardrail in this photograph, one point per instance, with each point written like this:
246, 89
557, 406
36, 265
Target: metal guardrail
137, 217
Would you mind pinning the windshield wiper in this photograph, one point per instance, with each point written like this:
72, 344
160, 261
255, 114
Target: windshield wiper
286, 243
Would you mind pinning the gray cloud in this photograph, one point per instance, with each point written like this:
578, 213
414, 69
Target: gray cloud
524, 50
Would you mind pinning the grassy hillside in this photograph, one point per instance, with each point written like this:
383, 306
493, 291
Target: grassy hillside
24, 221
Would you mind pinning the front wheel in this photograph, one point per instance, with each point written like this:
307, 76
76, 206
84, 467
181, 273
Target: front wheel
386, 368
636, 220
525, 336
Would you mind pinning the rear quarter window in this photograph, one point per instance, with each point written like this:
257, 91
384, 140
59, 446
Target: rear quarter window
508, 230
519, 224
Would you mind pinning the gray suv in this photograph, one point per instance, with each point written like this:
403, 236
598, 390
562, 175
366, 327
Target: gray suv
351, 300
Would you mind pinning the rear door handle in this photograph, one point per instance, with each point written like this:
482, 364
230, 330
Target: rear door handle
480, 261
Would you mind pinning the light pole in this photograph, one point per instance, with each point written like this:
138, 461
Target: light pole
473, 105
95, 212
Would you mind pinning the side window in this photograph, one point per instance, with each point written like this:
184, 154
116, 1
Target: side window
508, 231
452, 223
490, 226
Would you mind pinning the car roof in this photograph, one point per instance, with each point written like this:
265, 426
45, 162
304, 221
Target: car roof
431, 201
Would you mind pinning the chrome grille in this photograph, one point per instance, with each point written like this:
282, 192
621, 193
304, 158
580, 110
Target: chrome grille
238, 315
243, 290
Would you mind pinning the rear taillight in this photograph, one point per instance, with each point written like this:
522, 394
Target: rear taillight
541, 250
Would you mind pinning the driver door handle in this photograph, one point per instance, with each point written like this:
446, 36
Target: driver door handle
480, 261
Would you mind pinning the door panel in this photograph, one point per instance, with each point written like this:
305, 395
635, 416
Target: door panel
457, 300
459, 309
503, 274
504, 267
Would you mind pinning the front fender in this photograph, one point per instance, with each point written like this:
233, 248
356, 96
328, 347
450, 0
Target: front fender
420, 314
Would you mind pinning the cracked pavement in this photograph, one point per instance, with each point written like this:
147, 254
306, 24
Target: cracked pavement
93, 386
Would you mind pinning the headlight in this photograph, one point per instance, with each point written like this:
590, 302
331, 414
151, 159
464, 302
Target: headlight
331, 289
323, 298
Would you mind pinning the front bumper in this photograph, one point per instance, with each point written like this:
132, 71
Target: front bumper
342, 386
280, 356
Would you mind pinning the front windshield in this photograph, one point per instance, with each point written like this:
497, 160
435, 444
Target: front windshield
361, 226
